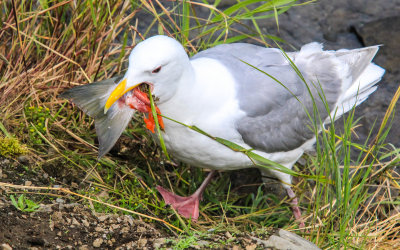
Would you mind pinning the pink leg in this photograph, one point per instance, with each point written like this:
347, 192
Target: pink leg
295, 206
188, 207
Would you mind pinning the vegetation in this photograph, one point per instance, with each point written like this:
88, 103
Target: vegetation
49, 46
10, 147
24, 204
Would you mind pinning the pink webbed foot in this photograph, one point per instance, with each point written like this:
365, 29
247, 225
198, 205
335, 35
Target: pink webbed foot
188, 207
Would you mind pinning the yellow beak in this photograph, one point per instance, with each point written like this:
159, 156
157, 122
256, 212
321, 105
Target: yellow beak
117, 93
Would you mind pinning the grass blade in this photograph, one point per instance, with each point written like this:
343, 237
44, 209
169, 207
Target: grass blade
159, 134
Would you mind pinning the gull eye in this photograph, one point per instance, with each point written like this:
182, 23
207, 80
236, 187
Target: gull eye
156, 70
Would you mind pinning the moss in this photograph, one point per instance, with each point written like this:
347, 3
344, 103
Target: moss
10, 147
37, 117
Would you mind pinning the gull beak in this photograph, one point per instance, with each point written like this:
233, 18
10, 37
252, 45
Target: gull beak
117, 93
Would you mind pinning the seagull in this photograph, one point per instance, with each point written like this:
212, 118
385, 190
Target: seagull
261, 99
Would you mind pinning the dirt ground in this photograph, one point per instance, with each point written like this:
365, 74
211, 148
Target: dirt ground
61, 223
73, 226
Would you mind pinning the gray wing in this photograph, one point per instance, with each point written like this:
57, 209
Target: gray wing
91, 98
279, 118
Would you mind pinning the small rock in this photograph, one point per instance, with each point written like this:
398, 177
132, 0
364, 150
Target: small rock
84, 247
235, 247
251, 247
75, 222
45, 208
23, 159
69, 221
203, 243
129, 219
157, 243
57, 217
103, 218
85, 223
51, 225
68, 206
129, 245
28, 183
99, 229
286, 240
113, 218
2, 203
228, 235
97, 242
5, 246
125, 230
109, 242
45, 175
59, 200
142, 242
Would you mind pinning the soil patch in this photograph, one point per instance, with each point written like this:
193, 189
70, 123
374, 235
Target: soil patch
71, 226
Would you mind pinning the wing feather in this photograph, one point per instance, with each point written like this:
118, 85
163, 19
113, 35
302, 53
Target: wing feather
91, 98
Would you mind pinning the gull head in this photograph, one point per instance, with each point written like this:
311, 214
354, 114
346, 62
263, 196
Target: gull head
159, 62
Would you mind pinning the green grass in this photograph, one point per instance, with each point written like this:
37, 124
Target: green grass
60, 44
24, 204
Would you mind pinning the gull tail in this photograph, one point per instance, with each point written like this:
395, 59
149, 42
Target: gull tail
364, 75
91, 98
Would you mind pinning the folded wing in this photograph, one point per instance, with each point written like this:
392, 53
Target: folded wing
285, 104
